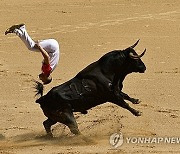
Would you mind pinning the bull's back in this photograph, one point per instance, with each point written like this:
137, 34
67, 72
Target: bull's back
80, 94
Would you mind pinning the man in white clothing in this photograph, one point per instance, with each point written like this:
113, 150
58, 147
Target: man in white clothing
49, 49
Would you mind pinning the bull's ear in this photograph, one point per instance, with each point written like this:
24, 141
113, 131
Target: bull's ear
137, 56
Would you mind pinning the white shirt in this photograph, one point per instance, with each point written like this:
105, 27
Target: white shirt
52, 48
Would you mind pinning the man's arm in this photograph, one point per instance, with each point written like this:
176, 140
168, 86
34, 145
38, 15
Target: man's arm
44, 53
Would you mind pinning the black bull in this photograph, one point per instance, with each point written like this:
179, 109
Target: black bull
98, 83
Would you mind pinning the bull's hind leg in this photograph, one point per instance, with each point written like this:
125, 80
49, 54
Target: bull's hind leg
70, 121
66, 117
126, 97
47, 125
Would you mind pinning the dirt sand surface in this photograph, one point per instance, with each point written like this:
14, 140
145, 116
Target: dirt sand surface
87, 29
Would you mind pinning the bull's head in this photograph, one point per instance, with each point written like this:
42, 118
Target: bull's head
134, 61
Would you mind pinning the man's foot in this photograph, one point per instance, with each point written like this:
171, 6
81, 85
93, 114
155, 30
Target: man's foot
12, 28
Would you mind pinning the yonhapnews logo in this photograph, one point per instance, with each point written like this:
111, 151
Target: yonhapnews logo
117, 139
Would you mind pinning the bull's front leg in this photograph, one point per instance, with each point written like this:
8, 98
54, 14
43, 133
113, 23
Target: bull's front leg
126, 97
120, 102
118, 92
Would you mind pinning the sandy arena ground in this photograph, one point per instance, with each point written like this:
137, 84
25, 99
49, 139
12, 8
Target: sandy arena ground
87, 29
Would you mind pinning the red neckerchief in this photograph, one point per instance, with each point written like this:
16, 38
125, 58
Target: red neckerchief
46, 69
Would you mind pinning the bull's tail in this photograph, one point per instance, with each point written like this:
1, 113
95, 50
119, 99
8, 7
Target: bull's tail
39, 88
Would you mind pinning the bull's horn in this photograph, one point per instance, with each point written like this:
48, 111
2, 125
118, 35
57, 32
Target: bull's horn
143, 53
137, 56
135, 44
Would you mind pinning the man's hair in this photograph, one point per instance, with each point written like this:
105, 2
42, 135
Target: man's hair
49, 79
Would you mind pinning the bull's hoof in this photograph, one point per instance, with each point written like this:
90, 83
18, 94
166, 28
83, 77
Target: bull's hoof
136, 101
84, 112
137, 113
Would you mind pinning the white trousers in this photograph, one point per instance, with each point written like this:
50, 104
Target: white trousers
50, 45
24, 36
